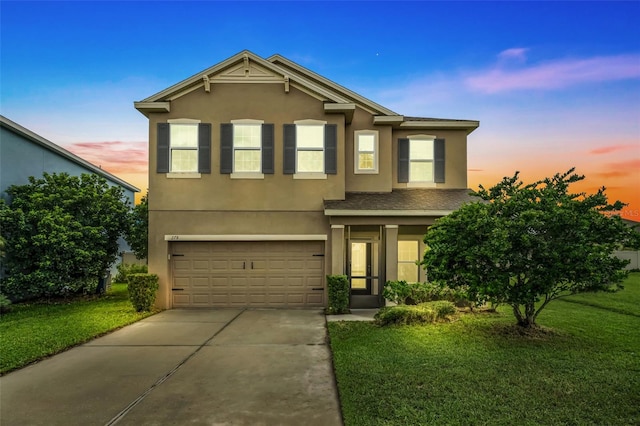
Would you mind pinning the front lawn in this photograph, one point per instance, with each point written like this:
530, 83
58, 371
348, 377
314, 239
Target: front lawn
30, 332
477, 370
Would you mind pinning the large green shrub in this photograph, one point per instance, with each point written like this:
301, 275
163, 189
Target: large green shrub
142, 290
126, 269
415, 314
526, 245
338, 286
61, 234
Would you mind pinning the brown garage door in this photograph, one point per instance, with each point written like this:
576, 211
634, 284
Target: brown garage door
251, 274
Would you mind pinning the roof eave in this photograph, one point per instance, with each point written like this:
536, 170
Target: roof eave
399, 122
343, 91
419, 213
148, 107
347, 109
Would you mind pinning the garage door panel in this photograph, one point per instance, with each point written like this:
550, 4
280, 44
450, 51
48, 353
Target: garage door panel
182, 265
248, 274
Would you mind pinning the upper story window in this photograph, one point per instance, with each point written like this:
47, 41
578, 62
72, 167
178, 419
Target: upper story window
184, 147
366, 151
421, 160
310, 149
246, 149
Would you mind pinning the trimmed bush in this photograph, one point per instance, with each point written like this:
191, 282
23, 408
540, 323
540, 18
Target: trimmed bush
404, 293
142, 290
415, 314
338, 286
126, 269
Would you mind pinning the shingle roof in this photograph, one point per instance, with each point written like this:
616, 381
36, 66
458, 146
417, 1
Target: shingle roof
405, 202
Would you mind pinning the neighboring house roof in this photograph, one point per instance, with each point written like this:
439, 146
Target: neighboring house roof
400, 202
248, 67
39, 140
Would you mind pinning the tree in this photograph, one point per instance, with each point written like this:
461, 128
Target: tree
138, 230
526, 245
61, 234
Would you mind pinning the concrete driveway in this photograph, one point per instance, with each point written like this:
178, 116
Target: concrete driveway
196, 367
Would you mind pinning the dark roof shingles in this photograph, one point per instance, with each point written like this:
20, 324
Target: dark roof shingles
419, 199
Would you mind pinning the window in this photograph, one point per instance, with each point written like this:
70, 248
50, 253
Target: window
246, 149
184, 148
407, 261
421, 160
310, 149
366, 151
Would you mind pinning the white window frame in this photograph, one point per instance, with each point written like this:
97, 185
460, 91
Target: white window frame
358, 151
236, 174
422, 139
314, 174
183, 174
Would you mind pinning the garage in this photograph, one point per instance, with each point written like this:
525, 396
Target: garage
247, 274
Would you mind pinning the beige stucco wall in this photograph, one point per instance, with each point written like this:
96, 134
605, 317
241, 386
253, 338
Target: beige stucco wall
216, 191
381, 181
455, 156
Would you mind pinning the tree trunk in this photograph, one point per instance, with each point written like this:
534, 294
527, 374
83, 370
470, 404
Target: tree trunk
528, 318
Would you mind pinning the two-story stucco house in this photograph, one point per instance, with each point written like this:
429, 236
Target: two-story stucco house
264, 177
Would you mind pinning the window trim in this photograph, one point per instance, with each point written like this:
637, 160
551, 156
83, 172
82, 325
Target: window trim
183, 174
356, 152
246, 174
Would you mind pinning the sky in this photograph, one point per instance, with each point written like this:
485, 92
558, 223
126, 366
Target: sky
555, 85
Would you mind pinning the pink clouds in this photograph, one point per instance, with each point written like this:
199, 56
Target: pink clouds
612, 148
553, 74
621, 169
115, 157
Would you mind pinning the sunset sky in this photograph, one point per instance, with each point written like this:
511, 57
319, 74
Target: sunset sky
553, 84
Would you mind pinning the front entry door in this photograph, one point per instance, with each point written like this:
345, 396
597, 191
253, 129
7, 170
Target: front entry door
363, 267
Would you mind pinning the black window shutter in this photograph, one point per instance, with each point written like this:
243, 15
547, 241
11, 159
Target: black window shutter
438, 157
289, 149
267, 149
226, 148
403, 160
331, 149
204, 148
162, 162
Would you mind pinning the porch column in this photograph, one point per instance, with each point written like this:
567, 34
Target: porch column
337, 250
391, 250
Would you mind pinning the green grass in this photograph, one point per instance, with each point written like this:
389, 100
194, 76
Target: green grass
584, 369
30, 332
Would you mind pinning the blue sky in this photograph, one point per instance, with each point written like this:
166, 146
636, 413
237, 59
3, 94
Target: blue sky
554, 84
